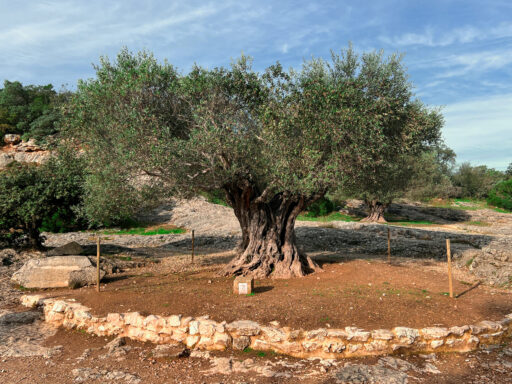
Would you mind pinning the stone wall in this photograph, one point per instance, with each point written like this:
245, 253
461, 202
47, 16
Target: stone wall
203, 333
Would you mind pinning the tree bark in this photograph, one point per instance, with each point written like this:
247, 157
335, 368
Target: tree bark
34, 236
268, 247
376, 213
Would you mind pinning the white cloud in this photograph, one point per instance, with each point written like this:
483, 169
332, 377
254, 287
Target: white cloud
480, 130
467, 34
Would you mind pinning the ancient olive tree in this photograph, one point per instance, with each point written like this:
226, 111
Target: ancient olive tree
274, 142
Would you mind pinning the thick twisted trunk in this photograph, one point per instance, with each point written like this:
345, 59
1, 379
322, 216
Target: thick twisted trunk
268, 247
376, 213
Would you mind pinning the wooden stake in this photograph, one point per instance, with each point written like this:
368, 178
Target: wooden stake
192, 246
98, 265
449, 255
389, 246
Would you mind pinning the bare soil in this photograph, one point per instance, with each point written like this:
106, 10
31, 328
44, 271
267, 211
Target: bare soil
365, 293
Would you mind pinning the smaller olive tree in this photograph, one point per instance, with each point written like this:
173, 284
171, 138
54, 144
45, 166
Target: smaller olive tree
432, 173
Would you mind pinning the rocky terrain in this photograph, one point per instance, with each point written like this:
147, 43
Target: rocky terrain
31, 351
481, 240
21, 151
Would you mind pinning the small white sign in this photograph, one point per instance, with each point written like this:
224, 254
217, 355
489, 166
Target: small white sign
242, 288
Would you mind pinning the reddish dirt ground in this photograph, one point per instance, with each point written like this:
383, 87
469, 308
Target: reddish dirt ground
365, 293
456, 368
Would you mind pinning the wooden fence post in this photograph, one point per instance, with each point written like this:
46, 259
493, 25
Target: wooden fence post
192, 246
449, 256
98, 265
389, 246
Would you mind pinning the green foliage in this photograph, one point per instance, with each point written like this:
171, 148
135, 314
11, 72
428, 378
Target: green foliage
32, 111
215, 197
41, 197
350, 123
145, 232
397, 130
125, 118
335, 216
475, 182
321, 207
501, 195
60, 221
508, 172
431, 174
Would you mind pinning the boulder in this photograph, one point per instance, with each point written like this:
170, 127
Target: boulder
37, 157
5, 159
56, 272
12, 138
72, 248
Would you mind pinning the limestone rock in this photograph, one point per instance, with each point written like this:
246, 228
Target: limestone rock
72, 248
434, 333
244, 327
241, 343
5, 159
12, 138
56, 272
170, 350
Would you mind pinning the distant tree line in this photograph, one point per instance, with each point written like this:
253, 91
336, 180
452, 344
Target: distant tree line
32, 111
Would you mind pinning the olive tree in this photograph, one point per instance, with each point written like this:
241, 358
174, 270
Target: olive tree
274, 142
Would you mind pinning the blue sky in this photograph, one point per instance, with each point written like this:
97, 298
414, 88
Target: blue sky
459, 53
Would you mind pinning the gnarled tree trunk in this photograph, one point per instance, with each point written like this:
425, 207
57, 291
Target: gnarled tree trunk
376, 214
268, 247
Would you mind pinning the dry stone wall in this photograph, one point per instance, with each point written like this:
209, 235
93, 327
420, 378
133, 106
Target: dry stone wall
205, 334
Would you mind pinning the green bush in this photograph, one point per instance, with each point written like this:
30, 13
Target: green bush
321, 207
63, 220
475, 182
501, 195
40, 197
217, 196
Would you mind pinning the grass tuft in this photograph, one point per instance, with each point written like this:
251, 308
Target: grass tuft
145, 231
334, 216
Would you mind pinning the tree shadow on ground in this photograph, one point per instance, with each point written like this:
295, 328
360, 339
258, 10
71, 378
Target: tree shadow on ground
411, 212
437, 215
371, 240
336, 244
263, 289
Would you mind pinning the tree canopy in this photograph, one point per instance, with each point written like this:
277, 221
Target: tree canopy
274, 141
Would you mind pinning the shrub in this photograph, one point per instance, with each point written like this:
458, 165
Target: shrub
321, 207
501, 195
475, 182
40, 197
216, 196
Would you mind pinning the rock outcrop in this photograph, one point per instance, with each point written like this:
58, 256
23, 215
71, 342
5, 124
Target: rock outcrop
57, 272
21, 151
